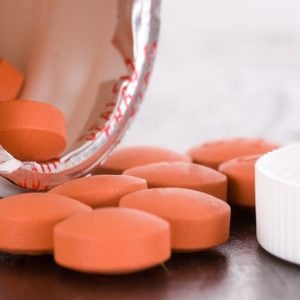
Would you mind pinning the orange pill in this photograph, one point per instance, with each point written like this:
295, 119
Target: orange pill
241, 178
27, 221
112, 241
215, 153
100, 190
130, 157
11, 81
32, 131
184, 175
198, 221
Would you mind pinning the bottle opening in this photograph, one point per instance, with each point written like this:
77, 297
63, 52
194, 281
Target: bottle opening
92, 60
67, 51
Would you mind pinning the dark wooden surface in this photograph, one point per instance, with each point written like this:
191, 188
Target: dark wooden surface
239, 269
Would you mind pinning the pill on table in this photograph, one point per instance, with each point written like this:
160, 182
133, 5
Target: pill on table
112, 241
184, 175
27, 221
198, 221
11, 81
100, 190
133, 156
214, 153
32, 131
241, 178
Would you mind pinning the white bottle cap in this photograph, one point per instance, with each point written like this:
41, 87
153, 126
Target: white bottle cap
277, 184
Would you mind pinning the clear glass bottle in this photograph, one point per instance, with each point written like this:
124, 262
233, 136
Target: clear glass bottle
92, 61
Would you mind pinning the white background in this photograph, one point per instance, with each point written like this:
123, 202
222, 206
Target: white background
224, 68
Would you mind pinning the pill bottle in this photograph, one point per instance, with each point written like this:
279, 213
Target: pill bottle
91, 59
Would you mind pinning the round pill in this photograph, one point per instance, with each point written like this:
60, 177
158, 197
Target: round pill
129, 157
198, 221
27, 221
241, 178
215, 153
183, 175
100, 190
112, 241
32, 131
11, 81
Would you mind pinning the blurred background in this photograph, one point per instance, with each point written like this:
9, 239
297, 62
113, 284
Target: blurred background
223, 68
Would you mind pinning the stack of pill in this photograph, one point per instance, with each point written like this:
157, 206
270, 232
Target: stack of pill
140, 205
236, 159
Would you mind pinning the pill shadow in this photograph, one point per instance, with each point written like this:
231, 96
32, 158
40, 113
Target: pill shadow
243, 221
25, 277
242, 214
204, 269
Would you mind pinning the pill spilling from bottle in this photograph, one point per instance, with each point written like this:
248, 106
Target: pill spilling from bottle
133, 210
29, 130
132, 227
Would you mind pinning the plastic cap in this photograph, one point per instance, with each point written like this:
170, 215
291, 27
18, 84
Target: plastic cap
277, 180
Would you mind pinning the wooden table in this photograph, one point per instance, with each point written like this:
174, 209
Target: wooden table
240, 269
